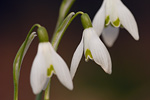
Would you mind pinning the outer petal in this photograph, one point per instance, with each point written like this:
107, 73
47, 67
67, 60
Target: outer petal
38, 75
76, 58
100, 54
110, 35
61, 69
127, 20
99, 19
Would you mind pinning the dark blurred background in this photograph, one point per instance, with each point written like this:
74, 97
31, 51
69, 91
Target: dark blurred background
130, 79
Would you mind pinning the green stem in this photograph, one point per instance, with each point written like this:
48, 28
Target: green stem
47, 91
58, 36
59, 21
17, 64
39, 96
15, 91
63, 11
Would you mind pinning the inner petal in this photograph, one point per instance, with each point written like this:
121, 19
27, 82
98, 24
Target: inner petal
111, 11
107, 21
116, 23
88, 55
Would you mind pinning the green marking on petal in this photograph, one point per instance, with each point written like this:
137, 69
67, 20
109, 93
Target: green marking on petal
117, 22
107, 20
50, 71
88, 55
121, 26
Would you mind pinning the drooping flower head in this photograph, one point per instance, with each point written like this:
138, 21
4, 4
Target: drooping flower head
114, 12
92, 47
46, 63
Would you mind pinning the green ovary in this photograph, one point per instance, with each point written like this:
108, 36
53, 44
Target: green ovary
88, 54
50, 70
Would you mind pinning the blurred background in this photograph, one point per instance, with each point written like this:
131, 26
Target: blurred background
130, 79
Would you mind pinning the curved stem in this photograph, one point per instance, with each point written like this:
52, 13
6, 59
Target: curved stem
63, 11
18, 61
47, 91
58, 35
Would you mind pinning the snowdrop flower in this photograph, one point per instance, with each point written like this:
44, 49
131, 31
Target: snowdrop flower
46, 63
116, 13
92, 47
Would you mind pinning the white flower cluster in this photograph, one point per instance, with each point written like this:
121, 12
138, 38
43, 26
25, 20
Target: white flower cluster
47, 62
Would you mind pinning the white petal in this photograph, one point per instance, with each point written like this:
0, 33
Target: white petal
46, 51
110, 35
111, 10
128, 20
99, 19
109, 6
61, 69
87, 33
100, 54
46, 83
38, 75
76, 58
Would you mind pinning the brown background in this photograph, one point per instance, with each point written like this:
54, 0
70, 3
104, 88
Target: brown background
130, 79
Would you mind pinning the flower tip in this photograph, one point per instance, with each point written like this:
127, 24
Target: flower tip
108, 70
109, 44
35, 91
137, 38
72, 75
71, 88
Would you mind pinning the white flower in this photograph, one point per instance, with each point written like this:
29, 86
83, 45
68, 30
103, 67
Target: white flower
47, 62
116, 13
93, 49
